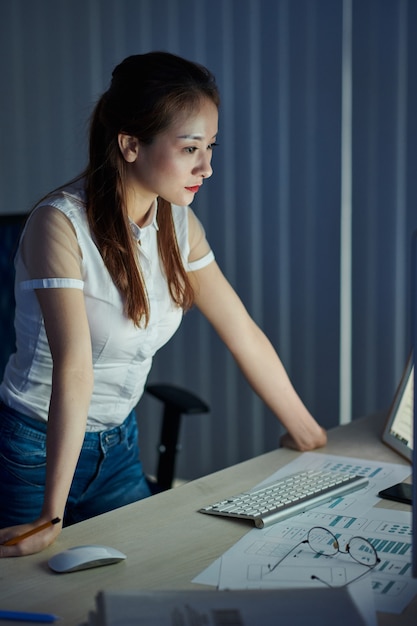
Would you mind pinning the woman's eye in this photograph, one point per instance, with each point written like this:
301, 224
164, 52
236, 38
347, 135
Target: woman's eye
212, 145
190, 149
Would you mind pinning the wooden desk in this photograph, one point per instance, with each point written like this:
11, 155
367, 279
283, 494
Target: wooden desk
167, 542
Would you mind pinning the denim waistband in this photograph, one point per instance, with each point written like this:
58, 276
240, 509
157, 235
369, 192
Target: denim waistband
16, 420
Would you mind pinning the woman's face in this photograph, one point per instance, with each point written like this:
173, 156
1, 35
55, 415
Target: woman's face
178, 160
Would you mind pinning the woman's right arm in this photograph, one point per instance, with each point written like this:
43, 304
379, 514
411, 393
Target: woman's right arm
68, 333
72, 382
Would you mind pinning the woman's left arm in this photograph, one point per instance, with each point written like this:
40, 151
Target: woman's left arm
256, 357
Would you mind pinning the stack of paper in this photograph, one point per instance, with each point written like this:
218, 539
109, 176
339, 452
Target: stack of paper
298, 607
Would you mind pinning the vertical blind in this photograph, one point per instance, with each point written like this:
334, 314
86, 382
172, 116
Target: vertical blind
313, 199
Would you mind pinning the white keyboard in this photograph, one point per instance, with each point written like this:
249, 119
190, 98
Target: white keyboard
287, 496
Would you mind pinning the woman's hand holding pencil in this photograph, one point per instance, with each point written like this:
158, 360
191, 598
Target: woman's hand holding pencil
10, 538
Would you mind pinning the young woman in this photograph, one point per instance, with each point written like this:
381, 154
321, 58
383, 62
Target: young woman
106, 266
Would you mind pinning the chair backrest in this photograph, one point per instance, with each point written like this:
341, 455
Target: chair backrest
10, 229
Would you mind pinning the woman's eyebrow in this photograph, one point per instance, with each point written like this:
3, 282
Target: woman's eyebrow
198, 137
195, 137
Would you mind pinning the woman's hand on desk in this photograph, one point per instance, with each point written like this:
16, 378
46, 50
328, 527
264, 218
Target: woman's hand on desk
44, 532
306, 440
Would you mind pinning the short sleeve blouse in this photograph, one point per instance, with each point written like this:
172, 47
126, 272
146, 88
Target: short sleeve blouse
58, 251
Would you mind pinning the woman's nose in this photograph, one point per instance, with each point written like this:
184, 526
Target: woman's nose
204, 167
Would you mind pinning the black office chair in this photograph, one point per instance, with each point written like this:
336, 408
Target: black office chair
176, 401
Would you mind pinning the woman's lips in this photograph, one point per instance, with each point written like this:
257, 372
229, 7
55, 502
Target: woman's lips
193, 189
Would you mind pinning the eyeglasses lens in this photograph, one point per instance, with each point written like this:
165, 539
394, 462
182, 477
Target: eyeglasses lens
362, 551
322, 541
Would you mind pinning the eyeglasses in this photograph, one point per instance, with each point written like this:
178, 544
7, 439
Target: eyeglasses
324, 543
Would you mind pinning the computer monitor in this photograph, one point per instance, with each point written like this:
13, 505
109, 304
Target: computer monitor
398, 429
414, 456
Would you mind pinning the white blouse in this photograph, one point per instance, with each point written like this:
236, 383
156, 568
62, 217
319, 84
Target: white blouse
122, 352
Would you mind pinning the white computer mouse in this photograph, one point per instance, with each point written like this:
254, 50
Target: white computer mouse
84, 557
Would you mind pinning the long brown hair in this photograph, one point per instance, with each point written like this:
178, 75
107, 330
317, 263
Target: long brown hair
146, 93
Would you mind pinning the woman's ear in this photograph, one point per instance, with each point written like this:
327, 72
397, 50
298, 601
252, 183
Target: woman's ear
129, 147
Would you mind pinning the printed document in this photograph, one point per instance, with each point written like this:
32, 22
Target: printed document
245, 565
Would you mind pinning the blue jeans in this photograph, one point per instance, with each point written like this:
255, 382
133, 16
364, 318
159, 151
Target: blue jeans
108, 475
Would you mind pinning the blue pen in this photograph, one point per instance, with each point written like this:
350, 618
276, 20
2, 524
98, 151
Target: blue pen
19, 616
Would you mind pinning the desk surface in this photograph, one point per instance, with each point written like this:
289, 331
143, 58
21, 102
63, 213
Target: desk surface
167, 542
